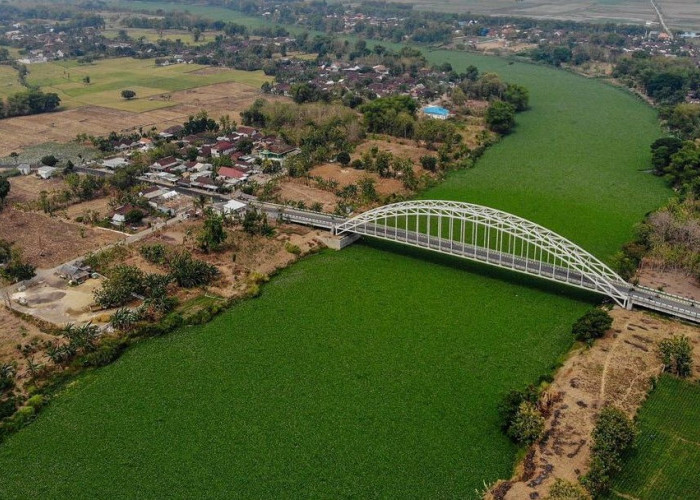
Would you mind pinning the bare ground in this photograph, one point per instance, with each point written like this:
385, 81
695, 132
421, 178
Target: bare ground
298, 190
63, 126
49, 241
617, 370
670, 281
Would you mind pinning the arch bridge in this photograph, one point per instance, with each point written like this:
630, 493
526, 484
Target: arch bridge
507, 241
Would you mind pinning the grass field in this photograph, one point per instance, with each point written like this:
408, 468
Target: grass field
109, 77
388, 390
9, 84
155, 35
666, 462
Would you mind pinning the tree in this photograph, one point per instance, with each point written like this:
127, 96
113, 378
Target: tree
500, 117
527, 425
245, 146
49, 160
213, 234
188, 272
518, 96
343, 158
429, 162
592, 325
614, 433
255, 222
565, 490
128, 94
677, 355
123, 282
134, 216
4, 190
86, 79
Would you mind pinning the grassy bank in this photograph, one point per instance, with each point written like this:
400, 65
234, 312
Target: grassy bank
389, 388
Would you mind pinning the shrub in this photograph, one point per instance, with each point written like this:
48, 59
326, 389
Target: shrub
188, 272
528, 424
677, 355
36, 401
291, 248
108, 351
565, 490
7, 407
510, 404
592, 325
155, 254
613, 434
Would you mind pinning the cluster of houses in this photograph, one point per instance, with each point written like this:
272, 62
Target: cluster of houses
49, 45
244, 152
424, 85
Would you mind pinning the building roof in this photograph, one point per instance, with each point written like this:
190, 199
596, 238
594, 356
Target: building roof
231, 173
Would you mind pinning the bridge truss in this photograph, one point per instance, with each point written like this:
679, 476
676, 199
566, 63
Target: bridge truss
491, 236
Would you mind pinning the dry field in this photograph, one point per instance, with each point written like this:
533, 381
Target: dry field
62, 126
298, 190
616, 370
49, 241
678, 13
675, 282
27, 188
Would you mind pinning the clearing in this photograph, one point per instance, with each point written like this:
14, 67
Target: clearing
49, 241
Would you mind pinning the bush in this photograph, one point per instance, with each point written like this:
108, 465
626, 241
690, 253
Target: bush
592, 325
565, 490
155, 254
510, 404
527, 425
7, 407
109, 350
36, 401
291, 248
677, 355
613, 434
188, 272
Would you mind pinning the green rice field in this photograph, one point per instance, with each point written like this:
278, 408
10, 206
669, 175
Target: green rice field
371, 372
109, 77
664, 464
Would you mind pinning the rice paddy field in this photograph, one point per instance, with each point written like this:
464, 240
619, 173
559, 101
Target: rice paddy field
661, 466
371, 372
110, 76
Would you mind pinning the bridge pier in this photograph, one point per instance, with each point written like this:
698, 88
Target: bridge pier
338, 242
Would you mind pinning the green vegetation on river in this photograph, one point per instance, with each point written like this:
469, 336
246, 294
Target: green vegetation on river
374, 371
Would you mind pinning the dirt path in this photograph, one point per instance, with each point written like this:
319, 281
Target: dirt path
617, 370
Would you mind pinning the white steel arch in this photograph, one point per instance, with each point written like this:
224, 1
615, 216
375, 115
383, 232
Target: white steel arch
492, 236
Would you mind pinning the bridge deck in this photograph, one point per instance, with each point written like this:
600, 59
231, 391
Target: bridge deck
633, 295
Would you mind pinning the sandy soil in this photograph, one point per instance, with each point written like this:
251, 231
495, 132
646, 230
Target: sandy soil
48, 241
14, 331
63, 126
674, 282
27, 188
297, 190
50, 299
100, 205
616, 370
398, 147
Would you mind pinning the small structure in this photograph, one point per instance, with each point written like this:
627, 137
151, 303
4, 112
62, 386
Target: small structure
73, 273
46, 172
233, 207
115, 163
437, 112
24, 168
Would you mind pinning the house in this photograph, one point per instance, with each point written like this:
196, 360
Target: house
24, 168
437, 112
233, 207
46, 172
119, 216
278, 152
73, 273
115, 163
204, 182
232, 175
170, 202
222, 148
167, 162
